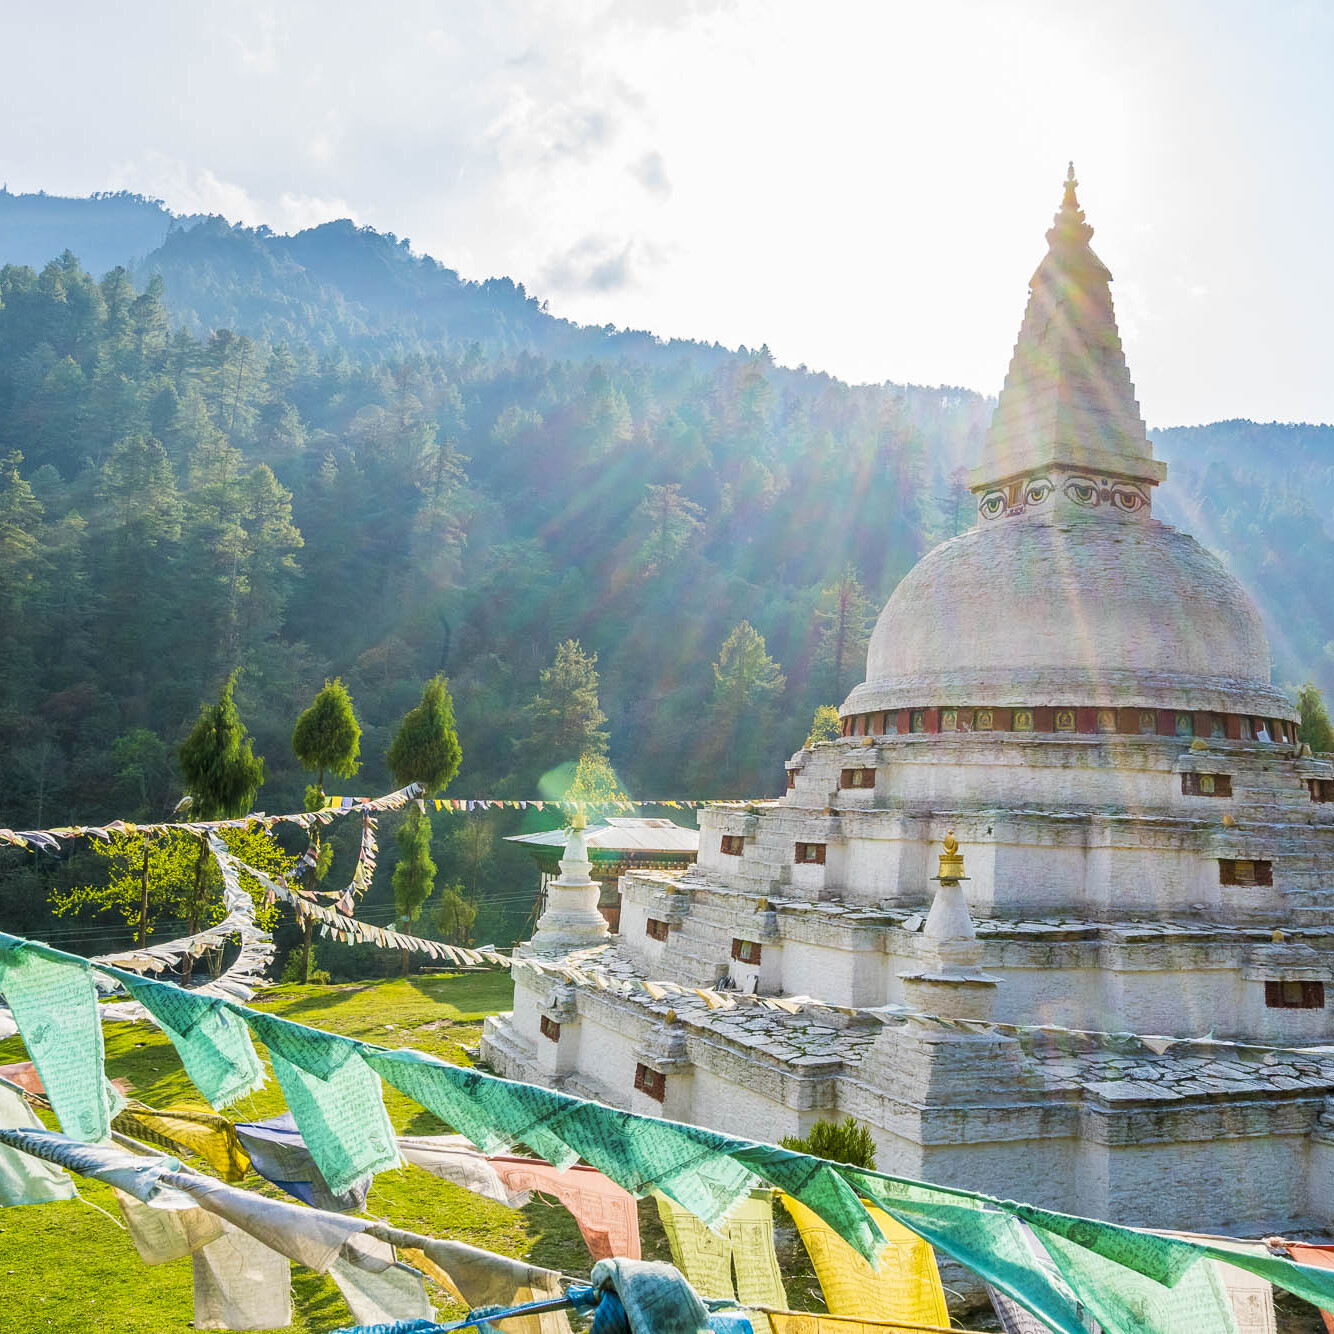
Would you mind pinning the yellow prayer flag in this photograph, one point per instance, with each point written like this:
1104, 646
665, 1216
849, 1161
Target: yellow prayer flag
905, 1288
744, 1240
802, 1322
205, 1134
704, 1257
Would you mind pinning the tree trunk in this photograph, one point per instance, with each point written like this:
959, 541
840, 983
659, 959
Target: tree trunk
196, 904
143, 899
308, 930
405, 964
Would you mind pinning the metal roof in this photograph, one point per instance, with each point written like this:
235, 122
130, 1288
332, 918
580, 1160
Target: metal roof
621, 834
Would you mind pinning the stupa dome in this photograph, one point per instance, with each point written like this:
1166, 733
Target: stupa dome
1079, 610
1068, 594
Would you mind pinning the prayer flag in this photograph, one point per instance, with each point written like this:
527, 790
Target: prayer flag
163, 1235
186, 1130
606, 1214
55, 1006
906, 1287
213, 1043
23, 1178
241, 1284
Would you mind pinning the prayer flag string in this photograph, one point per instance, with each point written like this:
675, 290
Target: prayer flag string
705, 1172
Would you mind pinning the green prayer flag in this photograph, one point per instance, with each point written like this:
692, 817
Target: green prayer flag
988, 1241
342, 1119
820, 1187
213, 1044
493, 1113
1305, 1281
55, 1007
1163, 1259
1126, 1302
316, 1052
697, 1168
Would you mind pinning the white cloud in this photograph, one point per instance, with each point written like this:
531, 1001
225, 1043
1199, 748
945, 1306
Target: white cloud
651, 172
864, 187
257, 52
187, 189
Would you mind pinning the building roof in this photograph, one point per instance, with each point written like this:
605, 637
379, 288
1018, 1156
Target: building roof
622, 834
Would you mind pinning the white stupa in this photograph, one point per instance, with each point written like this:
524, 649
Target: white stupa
1081, 695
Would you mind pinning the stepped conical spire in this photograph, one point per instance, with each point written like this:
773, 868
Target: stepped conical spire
1068, 403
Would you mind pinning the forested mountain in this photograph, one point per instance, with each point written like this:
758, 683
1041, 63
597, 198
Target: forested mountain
323, 455
171, 506
104, 229
1261, 495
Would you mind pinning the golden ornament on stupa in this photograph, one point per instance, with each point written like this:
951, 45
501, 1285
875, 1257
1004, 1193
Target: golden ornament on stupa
951, 860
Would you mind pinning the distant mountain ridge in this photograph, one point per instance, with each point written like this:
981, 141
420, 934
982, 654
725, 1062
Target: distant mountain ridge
335, 285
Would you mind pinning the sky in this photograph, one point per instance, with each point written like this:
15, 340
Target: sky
864, 187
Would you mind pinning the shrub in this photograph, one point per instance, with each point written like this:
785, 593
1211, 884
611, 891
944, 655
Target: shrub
846, 1141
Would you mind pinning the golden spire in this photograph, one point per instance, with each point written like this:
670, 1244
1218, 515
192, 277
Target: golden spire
951, 860
579, 821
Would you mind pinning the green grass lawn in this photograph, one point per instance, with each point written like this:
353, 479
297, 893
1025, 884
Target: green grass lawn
71, 1267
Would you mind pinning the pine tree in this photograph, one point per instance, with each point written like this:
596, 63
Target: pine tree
1315, 728
595, 783
426, 750
747, 687
845, 616
564, 719
825, 726
222, 776
327, 736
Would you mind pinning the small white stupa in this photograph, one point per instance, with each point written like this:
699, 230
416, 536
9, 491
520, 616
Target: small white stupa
571, 918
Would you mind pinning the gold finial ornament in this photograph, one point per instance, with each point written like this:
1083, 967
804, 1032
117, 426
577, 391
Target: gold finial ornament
580, 820
1199, 744
1229, 822
951, 860
1277, 937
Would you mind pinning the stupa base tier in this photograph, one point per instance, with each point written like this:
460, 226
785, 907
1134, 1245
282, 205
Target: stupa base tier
1071, 1125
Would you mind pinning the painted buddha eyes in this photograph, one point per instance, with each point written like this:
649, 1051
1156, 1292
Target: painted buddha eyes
1090, 492
1127, 498
1120, 495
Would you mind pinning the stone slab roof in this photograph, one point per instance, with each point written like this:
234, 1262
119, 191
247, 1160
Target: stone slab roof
1117, 1069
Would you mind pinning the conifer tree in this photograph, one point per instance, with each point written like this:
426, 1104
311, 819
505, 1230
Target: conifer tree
1315, 728
564, 720
825, 726
845, 615
595, 784
222, 776
426, 750
327, 736
747, 686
